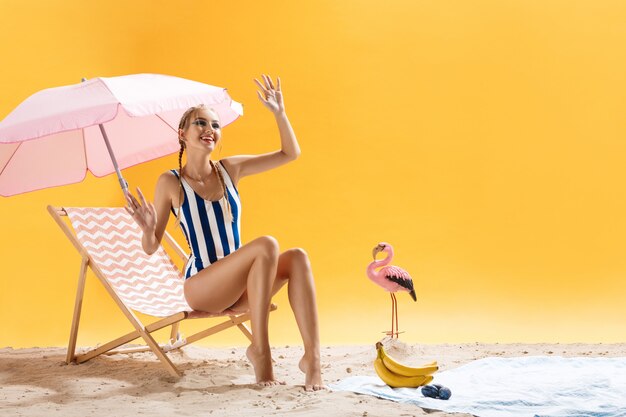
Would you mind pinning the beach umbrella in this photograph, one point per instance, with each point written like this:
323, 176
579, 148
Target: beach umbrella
102, 125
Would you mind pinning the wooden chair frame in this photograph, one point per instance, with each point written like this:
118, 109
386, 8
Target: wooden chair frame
141, 330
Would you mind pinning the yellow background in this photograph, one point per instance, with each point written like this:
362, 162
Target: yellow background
484, 139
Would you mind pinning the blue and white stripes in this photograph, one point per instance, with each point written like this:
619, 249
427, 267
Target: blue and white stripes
210, 236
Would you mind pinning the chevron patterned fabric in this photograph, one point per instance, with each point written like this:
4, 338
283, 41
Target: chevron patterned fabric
150, 284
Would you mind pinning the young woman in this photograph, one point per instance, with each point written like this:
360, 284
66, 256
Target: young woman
221, 273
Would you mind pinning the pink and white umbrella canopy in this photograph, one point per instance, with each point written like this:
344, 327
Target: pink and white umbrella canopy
53, 137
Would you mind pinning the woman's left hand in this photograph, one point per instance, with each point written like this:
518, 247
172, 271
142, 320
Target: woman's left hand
271, 96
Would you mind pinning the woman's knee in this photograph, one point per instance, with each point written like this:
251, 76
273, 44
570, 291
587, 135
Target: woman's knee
299, 257
268, 248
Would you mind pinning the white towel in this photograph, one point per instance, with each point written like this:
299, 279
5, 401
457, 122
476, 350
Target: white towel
530, 386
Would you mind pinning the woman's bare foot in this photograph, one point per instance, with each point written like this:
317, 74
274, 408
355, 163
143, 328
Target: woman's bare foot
310, 365
262, 364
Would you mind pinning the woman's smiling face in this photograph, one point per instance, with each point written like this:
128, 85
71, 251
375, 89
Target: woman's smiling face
204, 130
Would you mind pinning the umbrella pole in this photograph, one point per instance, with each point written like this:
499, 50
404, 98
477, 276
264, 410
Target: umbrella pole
123, 182
121, 179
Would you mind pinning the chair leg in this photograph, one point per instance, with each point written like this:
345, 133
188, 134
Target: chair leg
244, 329
80, 291
174, 332
156, 349
107, 347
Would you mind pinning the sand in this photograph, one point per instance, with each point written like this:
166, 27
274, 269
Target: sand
220, 382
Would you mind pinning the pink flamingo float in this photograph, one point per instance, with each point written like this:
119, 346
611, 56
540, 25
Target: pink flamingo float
392, 279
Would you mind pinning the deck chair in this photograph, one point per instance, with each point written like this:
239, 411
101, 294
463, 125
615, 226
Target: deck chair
109, 242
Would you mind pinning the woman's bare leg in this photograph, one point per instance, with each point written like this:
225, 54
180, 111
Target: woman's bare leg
301, 291
250, 270
294, 268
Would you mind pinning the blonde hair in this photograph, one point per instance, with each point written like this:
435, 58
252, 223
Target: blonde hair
183, 125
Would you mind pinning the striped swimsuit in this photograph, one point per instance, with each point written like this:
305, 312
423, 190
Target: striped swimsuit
209, 235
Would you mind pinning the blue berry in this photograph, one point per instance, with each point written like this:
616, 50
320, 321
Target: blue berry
430, 391
444, 393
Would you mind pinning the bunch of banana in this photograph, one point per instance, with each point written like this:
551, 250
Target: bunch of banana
397, 375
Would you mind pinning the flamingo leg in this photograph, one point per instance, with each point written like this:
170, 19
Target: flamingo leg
392, 313
396, 311
395, 316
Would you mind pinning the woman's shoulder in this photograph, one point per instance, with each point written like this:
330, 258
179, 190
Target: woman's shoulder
168, 180
169, 175
230, 168
165, 190
226, 162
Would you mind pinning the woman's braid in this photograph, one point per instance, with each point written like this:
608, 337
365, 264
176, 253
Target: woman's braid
218, 171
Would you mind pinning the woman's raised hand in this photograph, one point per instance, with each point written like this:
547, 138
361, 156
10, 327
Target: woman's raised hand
144, 213
271, 96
